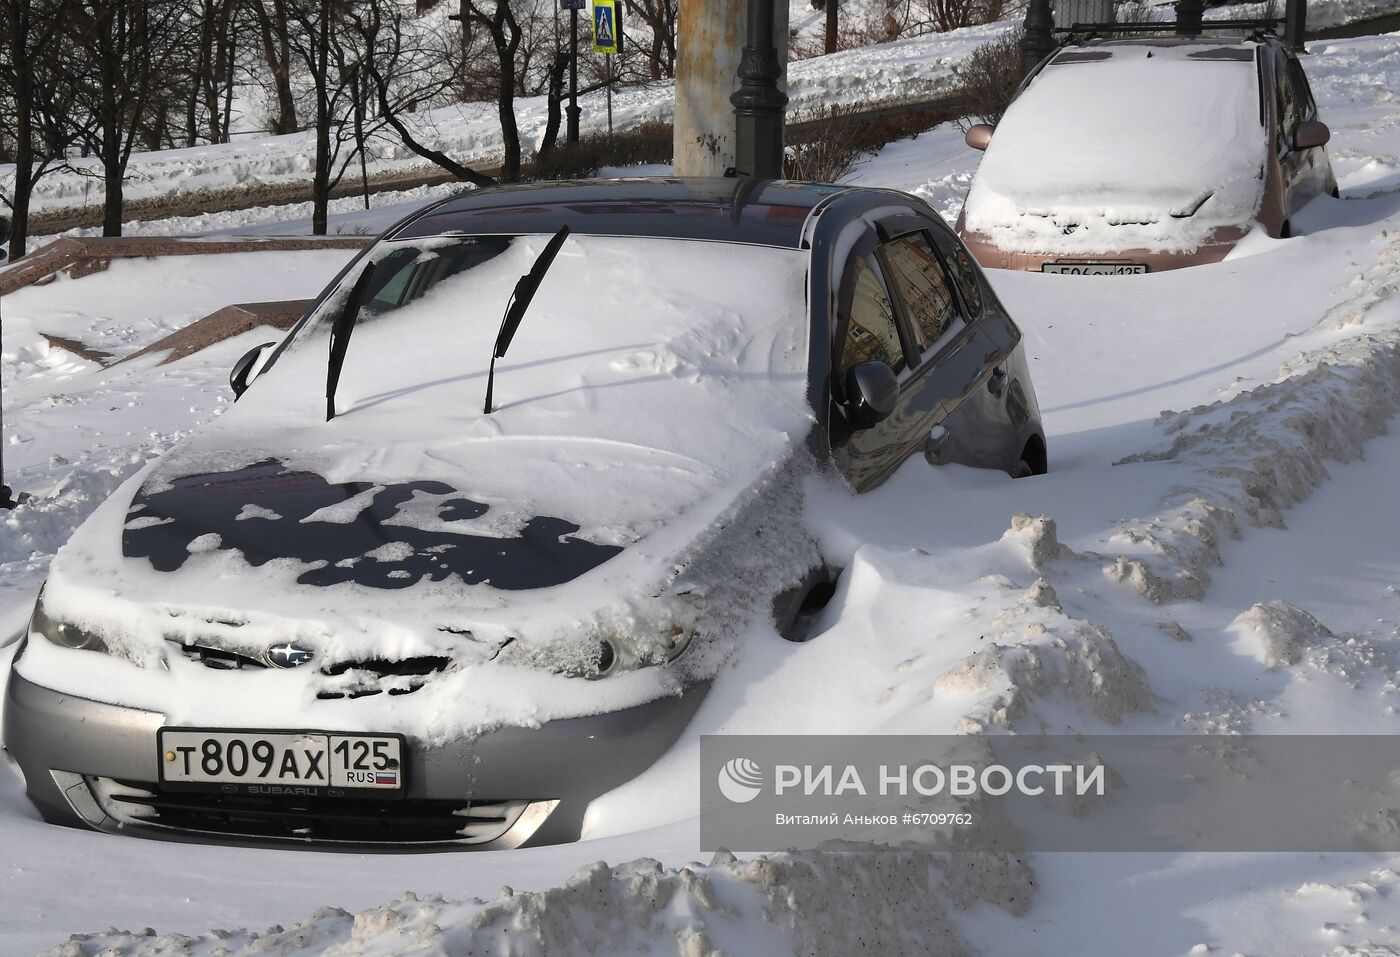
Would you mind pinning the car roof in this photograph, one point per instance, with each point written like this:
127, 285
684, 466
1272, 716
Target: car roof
755, 212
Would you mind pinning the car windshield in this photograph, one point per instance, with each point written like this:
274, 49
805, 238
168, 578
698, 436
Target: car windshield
1144, 134
648, 375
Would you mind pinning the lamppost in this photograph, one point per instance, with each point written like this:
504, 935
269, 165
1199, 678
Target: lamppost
573, 110
758, 103
1188, 17
7, 498
1036, 42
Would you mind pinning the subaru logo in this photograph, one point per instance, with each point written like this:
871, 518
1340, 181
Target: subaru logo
288, 655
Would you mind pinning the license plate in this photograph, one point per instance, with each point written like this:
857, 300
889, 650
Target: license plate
1095, 269
276, 759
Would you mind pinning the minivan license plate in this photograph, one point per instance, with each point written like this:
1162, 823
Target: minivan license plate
1095, 269
284, 758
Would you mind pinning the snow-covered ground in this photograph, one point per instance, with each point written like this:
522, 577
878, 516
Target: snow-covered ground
1219, 500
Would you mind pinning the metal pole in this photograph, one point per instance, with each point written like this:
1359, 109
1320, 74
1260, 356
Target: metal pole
7, 498
572, 135
1036, 42
1188, 17
759, 103
608, 56
1295, 25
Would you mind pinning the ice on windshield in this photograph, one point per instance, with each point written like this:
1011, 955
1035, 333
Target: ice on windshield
1151, 147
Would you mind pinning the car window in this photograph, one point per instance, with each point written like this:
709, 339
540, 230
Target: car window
871, 332
923, 288
408, 273
965, 275
1287, 102
1302, 92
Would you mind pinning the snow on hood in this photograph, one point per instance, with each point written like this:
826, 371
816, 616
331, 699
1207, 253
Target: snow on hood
1152, 148
654, 387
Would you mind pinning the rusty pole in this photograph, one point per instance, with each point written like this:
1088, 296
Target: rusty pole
710, 40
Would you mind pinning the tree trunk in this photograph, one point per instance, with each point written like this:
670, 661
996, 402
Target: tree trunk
112, 186
556, 98
24, 181
321, 181
831, 14
277, 52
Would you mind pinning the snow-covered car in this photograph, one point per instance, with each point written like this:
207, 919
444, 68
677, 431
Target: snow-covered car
1134, 155
445, 583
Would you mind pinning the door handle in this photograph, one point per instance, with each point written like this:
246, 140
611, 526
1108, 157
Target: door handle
996, 383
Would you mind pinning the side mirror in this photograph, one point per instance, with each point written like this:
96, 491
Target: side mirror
246, 369
978, 136
871, 393
1311, 134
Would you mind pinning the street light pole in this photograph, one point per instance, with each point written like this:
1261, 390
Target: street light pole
571, 134
759, 103
1188, 17
1295, 24
1036, 42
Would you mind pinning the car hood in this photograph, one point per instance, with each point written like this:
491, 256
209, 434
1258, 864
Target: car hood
366, 533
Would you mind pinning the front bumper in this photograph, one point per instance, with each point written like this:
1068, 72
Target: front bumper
87, 763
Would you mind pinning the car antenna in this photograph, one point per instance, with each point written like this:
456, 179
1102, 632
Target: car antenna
525, 289
341, 329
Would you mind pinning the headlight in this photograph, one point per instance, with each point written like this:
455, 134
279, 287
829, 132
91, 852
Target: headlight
606, 656
61, 634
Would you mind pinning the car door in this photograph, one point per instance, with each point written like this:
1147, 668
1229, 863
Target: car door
1301, 170
896, 305
1313, 176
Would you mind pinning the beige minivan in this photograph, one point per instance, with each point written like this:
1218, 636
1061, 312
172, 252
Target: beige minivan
1137, 155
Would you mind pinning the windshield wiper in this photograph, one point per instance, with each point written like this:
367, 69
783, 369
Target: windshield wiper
341, 329
525, 290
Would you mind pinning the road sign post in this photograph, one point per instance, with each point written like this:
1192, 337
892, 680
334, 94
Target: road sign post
607, 40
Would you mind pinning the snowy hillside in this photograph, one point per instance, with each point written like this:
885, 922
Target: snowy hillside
1213, 551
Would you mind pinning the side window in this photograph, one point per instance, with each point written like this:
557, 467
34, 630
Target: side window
1287, 102
1302, 92
871, 333
965, 275
918, 277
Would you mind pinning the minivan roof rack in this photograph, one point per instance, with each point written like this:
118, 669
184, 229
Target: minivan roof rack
1256, 28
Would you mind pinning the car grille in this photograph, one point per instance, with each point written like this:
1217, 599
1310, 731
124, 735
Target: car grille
333, 820
350, 679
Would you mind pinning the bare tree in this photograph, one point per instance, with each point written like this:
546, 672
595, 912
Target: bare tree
657, 42
503, 29
118, 56
30, 34
274, 29
406, 75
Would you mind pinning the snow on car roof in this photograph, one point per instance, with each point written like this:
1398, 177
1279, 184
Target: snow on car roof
1142, 146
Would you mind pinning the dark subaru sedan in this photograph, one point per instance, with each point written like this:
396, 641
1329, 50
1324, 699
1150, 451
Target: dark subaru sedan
442, 578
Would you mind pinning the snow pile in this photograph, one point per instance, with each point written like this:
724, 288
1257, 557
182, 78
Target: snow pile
1170, 150
1266, 449
809, 904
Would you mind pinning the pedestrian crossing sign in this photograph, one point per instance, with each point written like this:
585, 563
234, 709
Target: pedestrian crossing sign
607, 27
